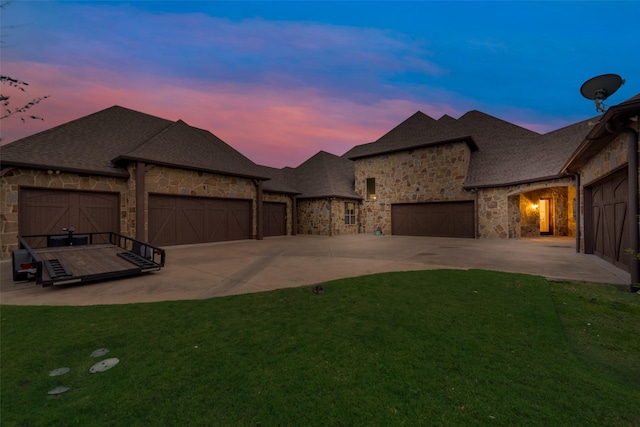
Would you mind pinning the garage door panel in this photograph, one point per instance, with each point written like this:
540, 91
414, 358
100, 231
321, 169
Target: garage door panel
442, 219
48, 211
163, 219
197, 219
240, 214
274, 219
216, 225
607, 233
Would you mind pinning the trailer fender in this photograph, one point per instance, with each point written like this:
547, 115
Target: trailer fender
18, 259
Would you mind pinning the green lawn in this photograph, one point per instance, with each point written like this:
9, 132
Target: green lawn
418, 348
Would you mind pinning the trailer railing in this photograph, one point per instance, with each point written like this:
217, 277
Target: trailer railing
143, 249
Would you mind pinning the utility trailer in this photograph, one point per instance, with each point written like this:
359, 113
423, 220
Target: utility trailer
60, 259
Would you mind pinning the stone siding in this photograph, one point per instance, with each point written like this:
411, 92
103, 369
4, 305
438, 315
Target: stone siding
314, 216
338, 221
430, 174
505, 212
326, 217
610, 158
17, 178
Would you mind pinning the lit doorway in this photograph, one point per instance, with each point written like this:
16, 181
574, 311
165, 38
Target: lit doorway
546, 216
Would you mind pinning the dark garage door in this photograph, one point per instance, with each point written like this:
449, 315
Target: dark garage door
608, 228
441, 219
44, 211
179, 220
274, 219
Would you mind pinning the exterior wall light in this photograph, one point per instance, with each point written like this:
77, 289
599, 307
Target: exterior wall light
534, 206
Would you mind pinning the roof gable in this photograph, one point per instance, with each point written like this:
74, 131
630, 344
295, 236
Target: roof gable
417, 131
509, 154
182, 146
94, 141
324, 175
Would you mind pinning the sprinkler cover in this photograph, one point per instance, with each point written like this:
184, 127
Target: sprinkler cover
59, 390
99, 352
105, 365
58, 372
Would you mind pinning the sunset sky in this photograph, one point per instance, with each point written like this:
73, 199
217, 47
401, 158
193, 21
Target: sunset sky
280, 81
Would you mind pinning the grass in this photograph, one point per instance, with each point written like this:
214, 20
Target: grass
417, 348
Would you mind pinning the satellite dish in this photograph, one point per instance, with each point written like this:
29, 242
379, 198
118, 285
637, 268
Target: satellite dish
600, 88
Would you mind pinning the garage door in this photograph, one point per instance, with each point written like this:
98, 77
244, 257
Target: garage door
274, 219
179, 220
608, 228
44, 211
442, 219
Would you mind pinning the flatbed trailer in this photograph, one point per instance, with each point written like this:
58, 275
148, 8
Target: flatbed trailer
58, 259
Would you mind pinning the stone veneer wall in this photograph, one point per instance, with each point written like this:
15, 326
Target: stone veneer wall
499, 214
530, 216
281, 198
313, 216
609, 159
338, 224
427, 174
13, 180
164, 180
325, 217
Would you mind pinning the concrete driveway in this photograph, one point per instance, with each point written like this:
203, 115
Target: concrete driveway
218, 269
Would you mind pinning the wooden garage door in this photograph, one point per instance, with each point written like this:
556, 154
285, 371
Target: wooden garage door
608, 228
441, 219
179, 220
44, 211
274, 219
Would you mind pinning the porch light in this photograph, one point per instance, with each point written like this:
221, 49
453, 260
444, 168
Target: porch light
534, 206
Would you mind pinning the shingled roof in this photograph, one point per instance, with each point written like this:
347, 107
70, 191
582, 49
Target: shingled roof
182, 146
324, 175
509, 154
603, 129
279, 181
417, 131
103, 141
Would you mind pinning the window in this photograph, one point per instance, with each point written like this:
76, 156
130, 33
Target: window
349, 213
371, 188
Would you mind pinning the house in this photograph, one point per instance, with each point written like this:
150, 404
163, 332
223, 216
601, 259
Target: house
473, 177
140, 175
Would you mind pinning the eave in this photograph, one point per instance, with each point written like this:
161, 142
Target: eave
467, 139
186, 167
121, 174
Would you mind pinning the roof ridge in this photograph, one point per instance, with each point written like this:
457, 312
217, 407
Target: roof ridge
150, 139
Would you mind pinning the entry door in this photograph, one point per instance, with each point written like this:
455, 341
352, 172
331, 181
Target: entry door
546, 216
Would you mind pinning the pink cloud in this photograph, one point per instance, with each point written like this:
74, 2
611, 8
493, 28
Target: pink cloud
270, 125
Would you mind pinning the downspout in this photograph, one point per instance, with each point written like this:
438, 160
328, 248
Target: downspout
330, 217
140, 205
294, 215
476, 214
259, 225
632, 156
576, 210
632, 178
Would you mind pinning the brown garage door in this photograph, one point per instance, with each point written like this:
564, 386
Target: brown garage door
607, 232
179, 220
274, 219
45, 211
440, 219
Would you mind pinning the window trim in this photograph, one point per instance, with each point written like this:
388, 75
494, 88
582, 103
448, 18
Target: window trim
349, 214
370, 188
